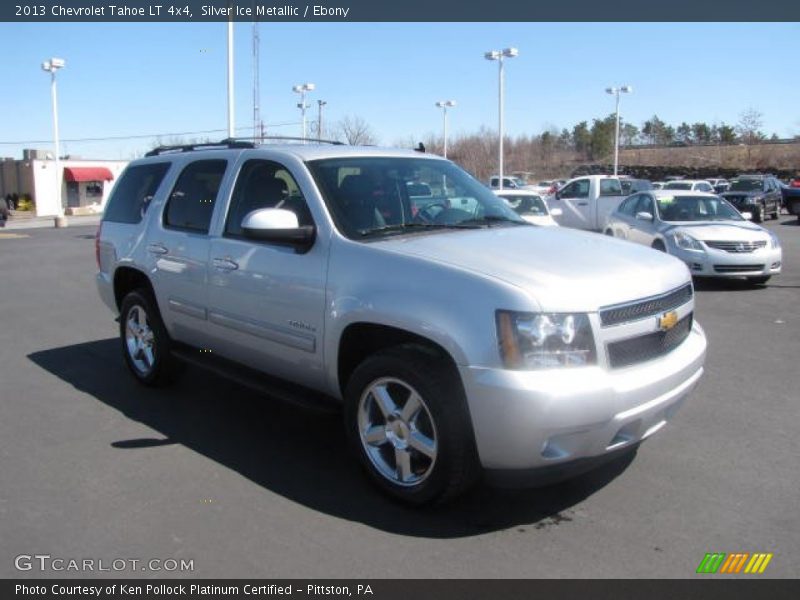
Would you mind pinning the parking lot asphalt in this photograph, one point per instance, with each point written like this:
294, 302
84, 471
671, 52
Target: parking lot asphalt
96, 466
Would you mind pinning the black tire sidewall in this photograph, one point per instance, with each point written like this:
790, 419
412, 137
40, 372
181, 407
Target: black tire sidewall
456, 462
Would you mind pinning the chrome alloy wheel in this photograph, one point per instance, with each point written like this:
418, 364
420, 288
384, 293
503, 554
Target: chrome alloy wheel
140, 340
397, 431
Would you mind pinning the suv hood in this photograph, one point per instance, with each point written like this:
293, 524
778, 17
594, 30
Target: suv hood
561, 269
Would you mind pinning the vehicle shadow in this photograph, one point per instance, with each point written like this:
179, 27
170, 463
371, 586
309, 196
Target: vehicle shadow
297, 453
711, 284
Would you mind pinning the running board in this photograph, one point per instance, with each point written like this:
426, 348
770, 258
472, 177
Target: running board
273, 387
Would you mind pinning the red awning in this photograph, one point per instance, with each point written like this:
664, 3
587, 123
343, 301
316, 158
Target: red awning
87, 174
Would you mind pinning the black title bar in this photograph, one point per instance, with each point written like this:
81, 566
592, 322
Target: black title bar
399, 10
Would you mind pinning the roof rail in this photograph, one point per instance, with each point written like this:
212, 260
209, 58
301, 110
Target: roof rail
286, 138
227, 143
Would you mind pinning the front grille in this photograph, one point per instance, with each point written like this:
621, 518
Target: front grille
737, 247
649, 346
640, 309
737, 268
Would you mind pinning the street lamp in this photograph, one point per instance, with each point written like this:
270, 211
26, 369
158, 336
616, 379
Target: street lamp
444, 105
51, 66
614, 91
320, 104
302, 89
499, 56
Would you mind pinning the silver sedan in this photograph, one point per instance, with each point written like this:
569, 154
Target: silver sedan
703, 230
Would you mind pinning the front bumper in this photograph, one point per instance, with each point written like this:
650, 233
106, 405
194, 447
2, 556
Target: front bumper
718, 263
526, 420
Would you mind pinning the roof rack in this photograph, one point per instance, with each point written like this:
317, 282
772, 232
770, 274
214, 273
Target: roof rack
286, 138
234, 143
228, 143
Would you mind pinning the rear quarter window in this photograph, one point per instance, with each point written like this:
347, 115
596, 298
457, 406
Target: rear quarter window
134, 191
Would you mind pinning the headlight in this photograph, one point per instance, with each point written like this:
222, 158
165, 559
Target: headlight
774, 242
545, 340
687, 242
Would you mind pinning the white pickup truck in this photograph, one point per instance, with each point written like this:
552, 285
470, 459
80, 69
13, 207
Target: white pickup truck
586, 202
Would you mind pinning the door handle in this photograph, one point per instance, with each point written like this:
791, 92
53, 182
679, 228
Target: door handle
157, 248
225, 264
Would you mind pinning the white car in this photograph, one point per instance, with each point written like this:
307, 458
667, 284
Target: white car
703, 230
530, 206
690, 185
509, 182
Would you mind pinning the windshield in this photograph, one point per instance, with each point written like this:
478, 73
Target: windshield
527, 205
746, 185
696, 208
369, 196
678, 185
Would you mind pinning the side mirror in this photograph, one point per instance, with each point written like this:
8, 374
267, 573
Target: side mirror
556, 212
278, 226
747, 216
644, 216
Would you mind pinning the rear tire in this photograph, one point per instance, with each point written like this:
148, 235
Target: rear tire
406, 418
146, 345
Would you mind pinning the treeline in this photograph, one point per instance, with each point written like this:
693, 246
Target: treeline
555, 152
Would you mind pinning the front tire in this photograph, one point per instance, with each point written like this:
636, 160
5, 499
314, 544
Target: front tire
146, 345
759, 214
406, 418
659, 245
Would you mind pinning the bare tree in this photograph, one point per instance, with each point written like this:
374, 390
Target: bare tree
749, 127
355, 131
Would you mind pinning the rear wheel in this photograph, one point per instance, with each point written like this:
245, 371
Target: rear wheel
406, 418
146, 345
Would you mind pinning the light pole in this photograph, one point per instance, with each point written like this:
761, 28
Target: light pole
231, 127
499, 56
51, 66
320, 104
616, 91
302, 89
444, 105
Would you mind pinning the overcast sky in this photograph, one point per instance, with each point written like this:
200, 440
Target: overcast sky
146, 79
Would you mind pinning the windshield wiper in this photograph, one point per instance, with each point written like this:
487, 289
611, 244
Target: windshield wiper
400, 227
488, 220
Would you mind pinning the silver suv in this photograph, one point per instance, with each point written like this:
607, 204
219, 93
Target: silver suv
461, 340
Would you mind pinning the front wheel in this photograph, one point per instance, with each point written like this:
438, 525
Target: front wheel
659, 245
145, 341
406, 418
759, 213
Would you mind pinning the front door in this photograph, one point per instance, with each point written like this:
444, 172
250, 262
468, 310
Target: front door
267, 301
575, 205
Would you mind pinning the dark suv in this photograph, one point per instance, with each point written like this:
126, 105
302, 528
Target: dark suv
757, 194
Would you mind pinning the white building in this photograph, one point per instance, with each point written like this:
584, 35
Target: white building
84, 185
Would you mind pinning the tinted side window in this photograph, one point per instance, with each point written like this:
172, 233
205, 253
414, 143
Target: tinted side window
576, 189
133, 192
264, 184
610, 187
191, 202
645, 204
626, 208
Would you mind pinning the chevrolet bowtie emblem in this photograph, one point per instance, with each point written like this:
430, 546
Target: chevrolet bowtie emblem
668, 320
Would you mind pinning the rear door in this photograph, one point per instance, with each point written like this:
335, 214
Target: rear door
609, 197
177, 249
